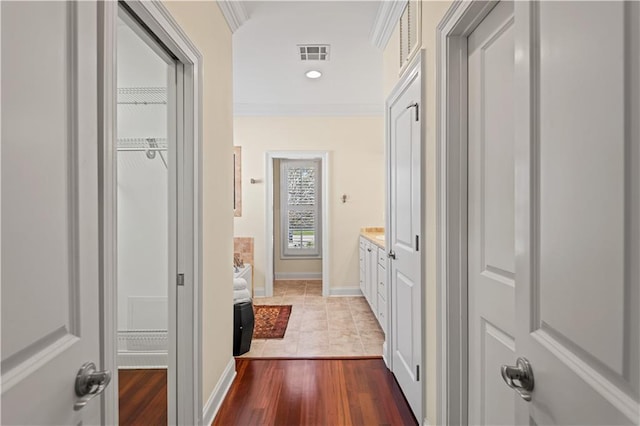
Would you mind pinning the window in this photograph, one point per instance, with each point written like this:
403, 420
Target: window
299, 208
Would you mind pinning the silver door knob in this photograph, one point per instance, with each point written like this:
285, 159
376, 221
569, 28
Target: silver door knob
90, 383
519, 378
391, 254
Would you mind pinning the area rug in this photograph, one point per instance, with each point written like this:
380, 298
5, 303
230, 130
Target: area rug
270, 321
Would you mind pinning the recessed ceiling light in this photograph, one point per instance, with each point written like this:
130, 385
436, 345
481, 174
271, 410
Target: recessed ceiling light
313, 74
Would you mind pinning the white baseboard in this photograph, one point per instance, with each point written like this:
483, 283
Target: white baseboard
298, 276
345, 291
143, 341
219, 393
258, 292
384, 353
128, 360
426, 422
143, 349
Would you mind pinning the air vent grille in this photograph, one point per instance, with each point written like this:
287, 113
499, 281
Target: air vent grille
314, 52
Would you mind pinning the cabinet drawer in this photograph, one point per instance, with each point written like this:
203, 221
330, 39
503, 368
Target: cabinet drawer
382, 282
382, 313
382, 257
362, 243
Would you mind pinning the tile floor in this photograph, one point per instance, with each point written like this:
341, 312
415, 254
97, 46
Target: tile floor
320, 326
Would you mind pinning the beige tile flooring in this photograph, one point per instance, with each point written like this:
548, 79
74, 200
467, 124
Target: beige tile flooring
320, 326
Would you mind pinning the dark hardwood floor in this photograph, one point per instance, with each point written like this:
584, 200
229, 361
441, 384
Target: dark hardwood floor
143, 397
314, 392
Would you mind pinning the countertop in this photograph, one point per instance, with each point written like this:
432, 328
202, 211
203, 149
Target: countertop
371, 233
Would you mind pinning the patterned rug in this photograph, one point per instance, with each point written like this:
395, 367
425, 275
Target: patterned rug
270, 321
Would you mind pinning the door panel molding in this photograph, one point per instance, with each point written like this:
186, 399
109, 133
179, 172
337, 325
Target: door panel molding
55, 338
40, 332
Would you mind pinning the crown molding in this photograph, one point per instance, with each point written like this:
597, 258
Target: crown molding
389, 13
341, 110
234, 13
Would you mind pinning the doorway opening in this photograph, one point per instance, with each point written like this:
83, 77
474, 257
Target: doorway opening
151, 215
146, 252
297, 220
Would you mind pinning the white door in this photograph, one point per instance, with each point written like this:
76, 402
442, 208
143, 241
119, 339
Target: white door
577, 159
405, 216
50, 244
491, 245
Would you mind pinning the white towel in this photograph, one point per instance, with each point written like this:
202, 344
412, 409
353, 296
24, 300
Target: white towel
240, 296
239, 284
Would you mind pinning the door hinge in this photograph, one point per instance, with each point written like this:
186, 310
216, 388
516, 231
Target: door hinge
180, 279
417, 107
418, 373
417, 243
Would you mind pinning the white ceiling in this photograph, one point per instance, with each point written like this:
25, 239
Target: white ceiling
269, 75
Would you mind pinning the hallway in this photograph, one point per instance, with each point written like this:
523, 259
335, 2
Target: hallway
314, 392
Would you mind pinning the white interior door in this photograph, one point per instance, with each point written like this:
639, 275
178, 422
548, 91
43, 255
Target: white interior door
405, 219
50, 245
577, 210
491, 245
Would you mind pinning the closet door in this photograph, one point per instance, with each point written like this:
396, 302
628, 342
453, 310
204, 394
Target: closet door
405, 219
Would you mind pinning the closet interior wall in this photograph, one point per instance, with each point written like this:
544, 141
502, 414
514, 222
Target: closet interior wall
142, 203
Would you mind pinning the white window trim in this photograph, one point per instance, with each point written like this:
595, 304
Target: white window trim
285, 251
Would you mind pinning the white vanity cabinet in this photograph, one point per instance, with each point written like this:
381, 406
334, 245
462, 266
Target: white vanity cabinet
373, 279
372, 275
368, 270
381, 289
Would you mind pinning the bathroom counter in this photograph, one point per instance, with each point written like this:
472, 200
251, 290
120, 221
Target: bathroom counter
375, 235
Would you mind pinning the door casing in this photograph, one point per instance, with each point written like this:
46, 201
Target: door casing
451, 174
185, 321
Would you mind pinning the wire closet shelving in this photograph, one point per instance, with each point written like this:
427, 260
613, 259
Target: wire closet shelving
142, 144
142, 96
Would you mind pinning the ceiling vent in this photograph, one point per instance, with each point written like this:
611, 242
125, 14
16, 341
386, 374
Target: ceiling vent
313, 52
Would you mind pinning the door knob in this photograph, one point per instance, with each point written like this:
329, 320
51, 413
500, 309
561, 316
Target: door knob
90, 383
519, 378
391, 255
